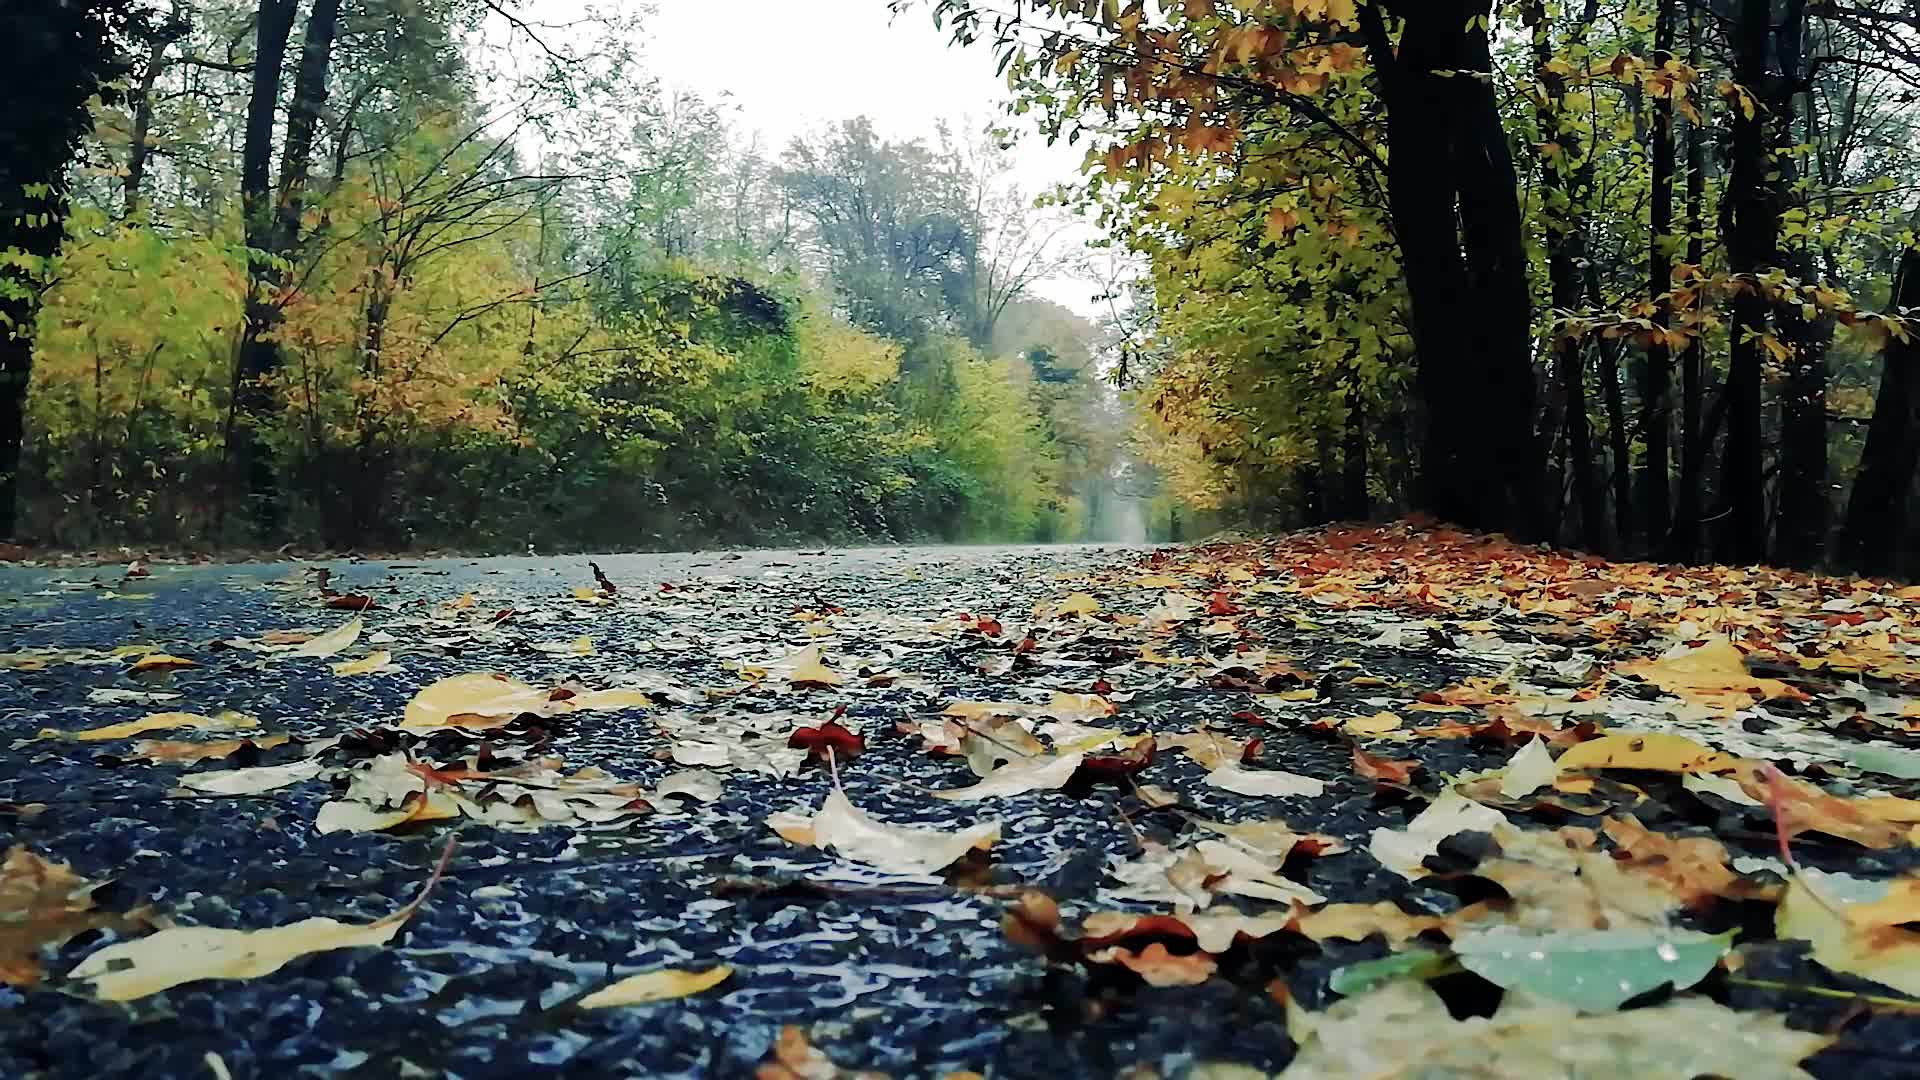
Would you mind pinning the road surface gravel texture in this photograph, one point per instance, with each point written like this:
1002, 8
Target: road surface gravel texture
722, 657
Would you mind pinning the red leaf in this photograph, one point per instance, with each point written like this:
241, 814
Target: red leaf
816, 740
1252, 753
989, 627
1383, 769
1115, 766
350, 602
600, 579
1102, 687
1250, 717
1026, 644
1220, 604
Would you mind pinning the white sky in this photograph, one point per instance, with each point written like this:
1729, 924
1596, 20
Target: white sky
793, 66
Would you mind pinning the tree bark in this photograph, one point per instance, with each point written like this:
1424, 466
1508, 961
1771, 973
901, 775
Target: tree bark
251, 402
1683, 538
1453, 199
1565, 177
1656, 375
1879, 509
1751, 230
1805, 507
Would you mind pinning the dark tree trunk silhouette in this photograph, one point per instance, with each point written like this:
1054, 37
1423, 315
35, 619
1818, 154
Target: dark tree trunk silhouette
1880, 507
1657, 374
1453, 199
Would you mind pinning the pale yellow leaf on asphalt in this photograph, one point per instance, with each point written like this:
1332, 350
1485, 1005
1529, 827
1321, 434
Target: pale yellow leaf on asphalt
1273, 783
153, 661
842, 827
252, 781
164, 721
366, 665
1019, 777
128, 970
478, 699
651, 986
331, 642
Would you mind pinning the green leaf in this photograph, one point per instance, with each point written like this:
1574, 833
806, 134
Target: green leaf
1594, 970
1414, 964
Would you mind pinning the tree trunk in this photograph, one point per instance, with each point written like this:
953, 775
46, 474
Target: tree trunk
1353, 459
1565, 177
1617, 441
1656, 375
1879, 510
1805, 507
1453, 199
1751, 230
251, 404
140, 106
1683, 539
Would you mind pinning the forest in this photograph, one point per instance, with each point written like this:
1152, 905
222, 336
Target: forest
1636, 277
388, 274
1633, 276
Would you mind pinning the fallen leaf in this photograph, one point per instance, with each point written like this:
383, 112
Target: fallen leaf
1591, 970
840, 826
794, 1058
816, 741
1379, 723
1868, 938
44, 903
1714, 674
1158, 966
651, 986
1530, 769
478, 699
1403, 850
1659, 752
1268, 782
254, 781
155, 661
166, 721
184, 751
366, 665
1404, 1029
1357, 922
1018, 778
332, 641
134, 969
1384, 770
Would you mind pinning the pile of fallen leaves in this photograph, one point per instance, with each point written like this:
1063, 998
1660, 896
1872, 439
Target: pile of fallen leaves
1642, 783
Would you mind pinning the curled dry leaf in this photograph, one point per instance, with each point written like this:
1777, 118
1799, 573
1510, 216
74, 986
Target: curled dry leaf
184, 954
652, 986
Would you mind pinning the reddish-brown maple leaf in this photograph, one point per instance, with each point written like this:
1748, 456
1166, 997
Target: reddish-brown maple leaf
1385, 770
816, 741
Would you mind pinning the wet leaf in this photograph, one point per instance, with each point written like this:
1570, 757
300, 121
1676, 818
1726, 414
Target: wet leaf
841, 827
331, 642
1590, 970
1405, 1029
1018, 778
44, 903
366, 665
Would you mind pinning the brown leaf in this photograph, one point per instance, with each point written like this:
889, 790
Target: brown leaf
794, 1058
1384, 770
45, 903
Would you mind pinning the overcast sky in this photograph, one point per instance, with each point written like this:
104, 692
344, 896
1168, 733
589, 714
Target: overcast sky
792, 66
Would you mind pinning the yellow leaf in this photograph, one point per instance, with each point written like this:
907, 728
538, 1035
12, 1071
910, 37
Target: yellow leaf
332, 641
1079, 603
1715, 675
226, 721
183, 954
366, 665
1655, 751
650, 986
477, 699
1378, 724
161, 660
